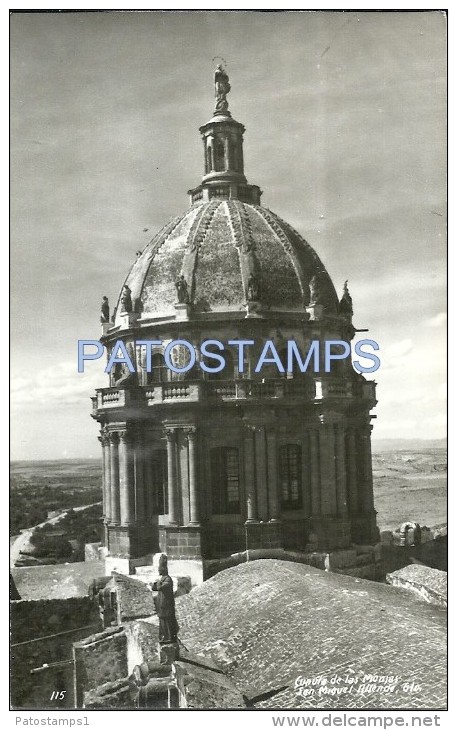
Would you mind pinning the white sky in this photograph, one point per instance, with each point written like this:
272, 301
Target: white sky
345, 118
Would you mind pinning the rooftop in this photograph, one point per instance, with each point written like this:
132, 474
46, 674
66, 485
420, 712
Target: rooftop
288, 621
57, 581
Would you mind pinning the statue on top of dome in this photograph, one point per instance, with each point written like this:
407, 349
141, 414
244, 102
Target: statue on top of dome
345, 306
221, 89
182, 290
126, 299
105, 310
253, 288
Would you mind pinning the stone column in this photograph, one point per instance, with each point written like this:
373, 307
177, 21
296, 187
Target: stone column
172, 477
240, 157
227, 153
315, 472
235, 154
140, 497
106, 482
273, 496
340, 471
104, 510
147, 476
114, 472
351, 461
126, 478
327, 464
205, 156
193, 491
249, 475
261, 473
365, 444
210, 143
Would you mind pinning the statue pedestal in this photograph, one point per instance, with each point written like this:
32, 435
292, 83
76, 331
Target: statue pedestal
182, 311
128, 319
168, 653
253, 309
316, 311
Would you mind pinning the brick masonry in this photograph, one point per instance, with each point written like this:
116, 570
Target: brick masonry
181, 542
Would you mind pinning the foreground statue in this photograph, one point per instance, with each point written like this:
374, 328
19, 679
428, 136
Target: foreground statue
165, 604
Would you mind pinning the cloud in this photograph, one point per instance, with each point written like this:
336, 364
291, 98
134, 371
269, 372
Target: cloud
60, 384
400, 349
438, 321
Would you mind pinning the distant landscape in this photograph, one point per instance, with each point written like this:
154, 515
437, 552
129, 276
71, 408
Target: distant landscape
409, 481
52, 492
410, 485
39, 487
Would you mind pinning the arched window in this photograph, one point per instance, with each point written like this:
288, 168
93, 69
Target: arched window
290, 476
225, 480
219, 155
227, 372
209, 159
159, 373
338, 368
270, 370
159, 476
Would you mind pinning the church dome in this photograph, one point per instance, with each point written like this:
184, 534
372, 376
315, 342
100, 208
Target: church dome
217, 246
227, 249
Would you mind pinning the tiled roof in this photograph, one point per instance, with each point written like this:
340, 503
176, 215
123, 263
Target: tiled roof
268, 623
216, 246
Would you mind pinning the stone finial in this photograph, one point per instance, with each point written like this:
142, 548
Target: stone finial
221, 89
345, 305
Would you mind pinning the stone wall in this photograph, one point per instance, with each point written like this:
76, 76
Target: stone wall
105, 659
432, 552
43, 632
142, 641
359, 561
428, 583
224, 538
112, 695
99, 659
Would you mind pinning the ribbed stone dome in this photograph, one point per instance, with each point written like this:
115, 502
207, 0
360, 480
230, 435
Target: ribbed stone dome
216, 246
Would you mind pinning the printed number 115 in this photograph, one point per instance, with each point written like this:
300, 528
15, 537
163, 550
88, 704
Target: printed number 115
59, 695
